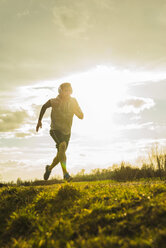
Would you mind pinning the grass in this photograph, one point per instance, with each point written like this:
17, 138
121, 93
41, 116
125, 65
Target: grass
84, 215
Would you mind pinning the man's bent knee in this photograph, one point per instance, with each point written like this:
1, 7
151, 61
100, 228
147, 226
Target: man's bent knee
61, 152
62, 146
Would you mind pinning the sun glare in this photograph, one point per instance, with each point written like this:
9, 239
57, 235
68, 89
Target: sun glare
98, 92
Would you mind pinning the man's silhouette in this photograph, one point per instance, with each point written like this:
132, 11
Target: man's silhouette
63, 109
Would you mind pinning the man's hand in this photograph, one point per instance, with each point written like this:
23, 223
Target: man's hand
39, 124
79, 114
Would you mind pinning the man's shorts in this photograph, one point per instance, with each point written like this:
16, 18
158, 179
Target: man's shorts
59, 137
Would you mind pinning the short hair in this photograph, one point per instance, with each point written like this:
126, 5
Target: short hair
63, 86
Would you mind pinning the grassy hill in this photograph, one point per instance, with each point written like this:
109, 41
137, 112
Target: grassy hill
84, 215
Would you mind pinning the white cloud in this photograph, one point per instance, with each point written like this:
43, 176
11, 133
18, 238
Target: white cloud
43, 40
8, 164
70, 19
83, 34
135, 105
135, 126
10, 120
23, 13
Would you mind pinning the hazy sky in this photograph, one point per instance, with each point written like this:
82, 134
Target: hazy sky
114, 54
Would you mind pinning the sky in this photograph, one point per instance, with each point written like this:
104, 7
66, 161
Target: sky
111, 51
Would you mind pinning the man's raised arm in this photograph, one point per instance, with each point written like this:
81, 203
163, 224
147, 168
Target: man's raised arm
42, 111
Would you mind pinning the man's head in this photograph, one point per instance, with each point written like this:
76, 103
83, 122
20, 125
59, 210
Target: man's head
65, 90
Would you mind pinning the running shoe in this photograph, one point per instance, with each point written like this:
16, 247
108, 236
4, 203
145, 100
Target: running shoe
67, 177
47, 172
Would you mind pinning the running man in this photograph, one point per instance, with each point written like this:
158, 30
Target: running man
63, 109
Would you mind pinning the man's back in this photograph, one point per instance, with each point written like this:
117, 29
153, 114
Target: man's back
62, 113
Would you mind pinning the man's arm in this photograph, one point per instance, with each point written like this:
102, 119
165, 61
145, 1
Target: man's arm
77, 110
79, 114
42, 111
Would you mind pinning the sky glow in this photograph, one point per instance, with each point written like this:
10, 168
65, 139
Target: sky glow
103, 94
113, 54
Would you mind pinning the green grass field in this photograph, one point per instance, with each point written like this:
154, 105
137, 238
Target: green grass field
84, 215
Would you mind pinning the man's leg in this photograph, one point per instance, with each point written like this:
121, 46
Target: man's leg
55, 135
61, 144
54, 162
49, 168
62, 156
62, 159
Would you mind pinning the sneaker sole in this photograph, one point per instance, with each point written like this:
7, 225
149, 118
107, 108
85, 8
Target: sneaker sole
46, 174
69, 179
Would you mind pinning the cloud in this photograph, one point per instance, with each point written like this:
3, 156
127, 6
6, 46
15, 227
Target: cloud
43, 88
7, 164
13, 169
23, 13
135, 105
10, 121
70, 19
155, 89
135, 126
42, 40
28, 133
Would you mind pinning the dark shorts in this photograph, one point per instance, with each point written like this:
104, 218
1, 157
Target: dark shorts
59, 137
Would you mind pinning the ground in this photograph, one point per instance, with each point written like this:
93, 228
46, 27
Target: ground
84, 215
